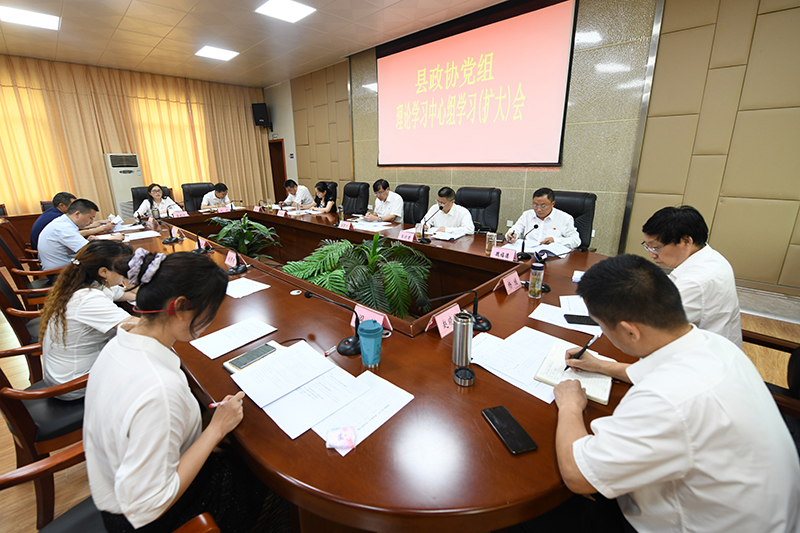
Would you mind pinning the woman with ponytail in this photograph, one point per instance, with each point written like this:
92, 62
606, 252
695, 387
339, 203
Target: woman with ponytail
79, 315
151, 465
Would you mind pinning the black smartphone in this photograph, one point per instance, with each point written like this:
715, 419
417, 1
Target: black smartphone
583, 320
247, 358
508, 429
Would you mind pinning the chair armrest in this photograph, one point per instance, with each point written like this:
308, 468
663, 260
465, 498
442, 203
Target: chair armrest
47, 392
202, 523
36, 272
23, 314
787, 405
47, 466
766, 341
23, 350
33, 292
31, 251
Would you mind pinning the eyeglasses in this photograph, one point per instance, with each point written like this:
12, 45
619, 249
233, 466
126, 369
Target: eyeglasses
540, 207
651, 249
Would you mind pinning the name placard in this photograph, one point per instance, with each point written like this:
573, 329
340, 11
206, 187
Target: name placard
224, 209
408, 236
281, 213
444, 321
506, 254
511, 283
202, 242
365, 313
257, 209
343, 224
230, 259
174, 232
180, 214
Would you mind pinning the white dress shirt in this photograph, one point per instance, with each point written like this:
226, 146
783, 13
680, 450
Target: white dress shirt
558, 225
91, 317
302, 197
165, 208
696, 445
708, 292
140, 416
210, 199
392, 206
59, 241
459, 218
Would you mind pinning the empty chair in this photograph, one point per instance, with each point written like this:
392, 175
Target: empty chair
415, 201
23, 320
580, 205
192, 195
20, 276
13, 238
355, 198
45, 204
484, 205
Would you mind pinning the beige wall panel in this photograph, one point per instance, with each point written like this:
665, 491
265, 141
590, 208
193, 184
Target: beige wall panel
314, 176
341, 79
298, 93
301, 126
773, 73
666, 154
755, 250
329, 74
796, 232
310, 106
683, 14
331, 101
312, 145
335, 176
332, 138
321, 123
790, 273
303, 161
680, 73
318, 87
776, 5
764, 155
343, 120
718, 114
702, 187
608, 222
324, 162
345, 161
644, 205
733, 33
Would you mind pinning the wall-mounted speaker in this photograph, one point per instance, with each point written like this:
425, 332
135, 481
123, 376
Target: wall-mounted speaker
261, 115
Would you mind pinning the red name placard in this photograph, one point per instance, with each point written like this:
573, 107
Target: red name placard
180, 214
511, 283
506, 254
281, 213
257, 209
343, 224
445, 320
408, 236
224, 209
364, 313
230, 259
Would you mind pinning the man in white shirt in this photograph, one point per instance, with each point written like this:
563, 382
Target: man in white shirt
697, 443
216, 198
445, 215
676, 238
388, 204
544, 224
297, 195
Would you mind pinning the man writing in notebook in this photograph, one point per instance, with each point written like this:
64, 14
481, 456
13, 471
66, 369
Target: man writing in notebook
697, 442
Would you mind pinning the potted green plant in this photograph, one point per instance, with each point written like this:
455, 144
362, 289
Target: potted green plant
245, 236
385, 275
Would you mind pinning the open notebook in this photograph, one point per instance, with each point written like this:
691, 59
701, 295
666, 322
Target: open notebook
598, 386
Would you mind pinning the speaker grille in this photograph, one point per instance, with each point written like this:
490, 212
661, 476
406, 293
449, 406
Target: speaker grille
124, 160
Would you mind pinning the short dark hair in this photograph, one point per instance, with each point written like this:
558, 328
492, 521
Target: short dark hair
631, 288
83, 206
545, 191
670, 224
62, 198
380, 184
321, 186
221, 187
447, 193
289, 183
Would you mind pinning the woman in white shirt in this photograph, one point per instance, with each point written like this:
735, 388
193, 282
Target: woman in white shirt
150, 463
157, 203
79, 315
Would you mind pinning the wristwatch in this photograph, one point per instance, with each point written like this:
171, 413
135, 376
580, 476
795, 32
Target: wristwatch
380, 219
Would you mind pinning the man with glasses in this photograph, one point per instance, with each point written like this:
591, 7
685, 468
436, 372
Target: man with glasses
544, 224
388, 204
676, 238
445, 215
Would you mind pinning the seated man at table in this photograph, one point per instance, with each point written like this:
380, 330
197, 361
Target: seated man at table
216, 198
61, 202
676, 238
61, 239
388, 204
544, 224
697, 442
297, 195
445, 215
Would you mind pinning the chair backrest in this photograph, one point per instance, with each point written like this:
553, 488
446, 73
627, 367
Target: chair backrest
45, 204
9, 300
10, 260
139, 195
580, 205
415, 201
355, 198
193, 194
793, 374
3, 211
484, 205
14, 238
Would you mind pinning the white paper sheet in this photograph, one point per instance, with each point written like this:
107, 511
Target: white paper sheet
447, 235
373, 227
226, 339
242, 287
298, 212
121, 228
369, 411
555, 315
296, 412
553, 247
281, 372
141, 235
573, 305
517, 246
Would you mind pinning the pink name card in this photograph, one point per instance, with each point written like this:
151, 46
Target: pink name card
408, 236
180, 214
343, 224
230, 259
281, 213
201, 242
365, 313
174, 232
224, 209
257, 209
506, 254
445, 320
510, 282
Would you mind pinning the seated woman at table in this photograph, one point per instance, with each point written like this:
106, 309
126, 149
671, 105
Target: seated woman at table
324, 201
80, 316
156, 202
149, 461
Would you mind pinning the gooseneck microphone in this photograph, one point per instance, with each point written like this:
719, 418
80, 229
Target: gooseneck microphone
543, 255
349, 345
170, 239
424, 239
481, 322
201, 249
240, 267
522, 256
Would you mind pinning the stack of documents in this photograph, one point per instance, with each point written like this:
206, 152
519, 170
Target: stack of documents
576, 276
373, 227
570, 305
447, 235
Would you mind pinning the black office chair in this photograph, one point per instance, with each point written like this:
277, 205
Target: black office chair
3, 210
355, 198
45, 204
193, 195
484, 205
415, 202
139, 195
580, 205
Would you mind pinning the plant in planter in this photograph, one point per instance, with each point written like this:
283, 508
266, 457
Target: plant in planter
245, 236
380, 274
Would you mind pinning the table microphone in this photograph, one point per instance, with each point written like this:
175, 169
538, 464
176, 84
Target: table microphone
425, 240
543, 255
522, 256
349, 345
481, 322
170, 239
201, 250
240, 267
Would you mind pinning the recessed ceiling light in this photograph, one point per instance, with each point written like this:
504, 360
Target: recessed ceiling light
217, 53
29, 18
371, 86
287, 10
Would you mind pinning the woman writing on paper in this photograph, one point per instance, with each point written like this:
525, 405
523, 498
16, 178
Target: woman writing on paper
157, 204
150, 463
324, 200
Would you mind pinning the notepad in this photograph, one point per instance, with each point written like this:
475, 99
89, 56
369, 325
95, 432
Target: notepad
598, 386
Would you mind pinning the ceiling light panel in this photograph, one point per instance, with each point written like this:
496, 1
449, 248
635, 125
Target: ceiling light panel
216, 53
29, 18
287, 10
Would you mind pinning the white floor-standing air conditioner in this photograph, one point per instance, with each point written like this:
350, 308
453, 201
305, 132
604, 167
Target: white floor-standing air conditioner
123, 174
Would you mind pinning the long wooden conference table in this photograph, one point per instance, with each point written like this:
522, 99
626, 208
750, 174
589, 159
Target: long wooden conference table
436, 465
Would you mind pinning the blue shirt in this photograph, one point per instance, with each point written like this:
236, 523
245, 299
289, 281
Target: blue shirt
43, 220
59, 242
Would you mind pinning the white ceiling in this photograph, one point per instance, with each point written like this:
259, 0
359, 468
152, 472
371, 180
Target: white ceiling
162, 36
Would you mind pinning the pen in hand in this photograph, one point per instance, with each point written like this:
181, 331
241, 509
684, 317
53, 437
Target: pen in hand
215, 404
585, 347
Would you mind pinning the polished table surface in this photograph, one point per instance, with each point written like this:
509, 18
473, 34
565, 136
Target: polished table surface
436, 464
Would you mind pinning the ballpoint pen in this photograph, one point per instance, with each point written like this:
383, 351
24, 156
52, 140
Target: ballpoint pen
585, 347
